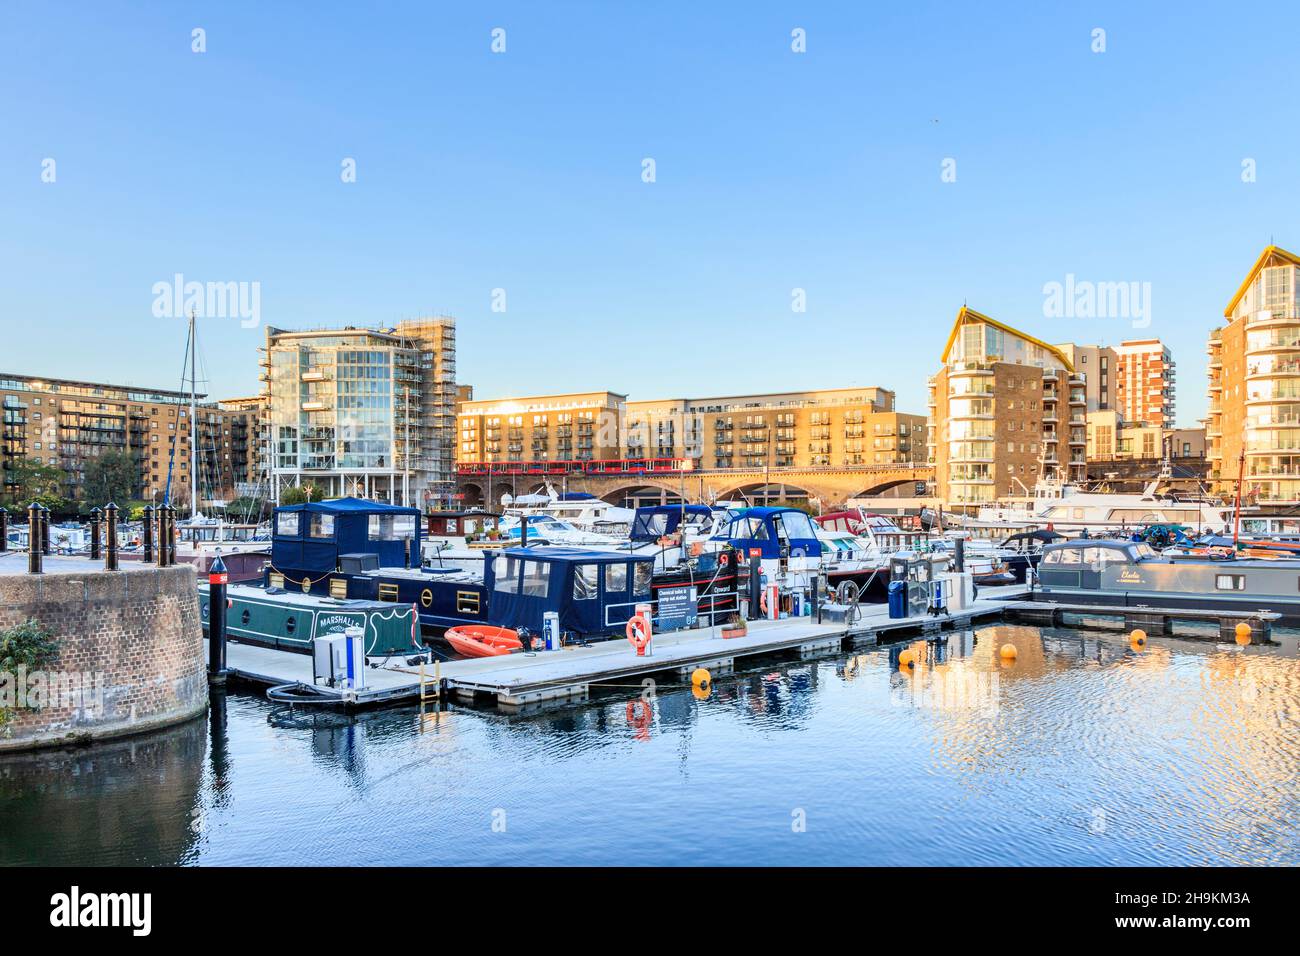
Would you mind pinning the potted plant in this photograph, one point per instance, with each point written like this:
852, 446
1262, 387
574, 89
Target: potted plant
735, 627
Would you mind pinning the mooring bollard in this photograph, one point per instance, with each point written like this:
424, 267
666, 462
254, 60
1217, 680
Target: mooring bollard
34, 538
147, 536
110, 530
45, 530
171, 536
217, 581
755, 588
95, 516
4, 530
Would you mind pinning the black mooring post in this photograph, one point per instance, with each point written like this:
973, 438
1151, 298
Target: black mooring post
171, 536
217, 580
147, 541
755, 588
523, 531
34, 538
45, 530
110, 531
95, 516
4, 530
959, 555
817, 597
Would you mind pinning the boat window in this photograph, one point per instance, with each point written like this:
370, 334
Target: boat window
507, 581
641, 573
615, 577
286, 523
392, 527
797, 525
452, 525
1069, 556
1230, 582
321, 526
585, 578
1144, 551
537, 577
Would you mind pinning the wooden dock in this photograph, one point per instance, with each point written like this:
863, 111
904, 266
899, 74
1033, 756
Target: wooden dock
517, 681
1155, 621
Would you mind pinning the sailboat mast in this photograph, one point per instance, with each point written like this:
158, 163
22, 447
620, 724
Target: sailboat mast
194, 423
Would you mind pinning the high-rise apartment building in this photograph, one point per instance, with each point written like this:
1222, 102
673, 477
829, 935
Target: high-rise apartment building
1144, 379
67, 423
363, 411
1096, 363
1255, 383
1005, 409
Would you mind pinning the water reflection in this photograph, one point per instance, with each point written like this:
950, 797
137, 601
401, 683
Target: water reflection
1084, 748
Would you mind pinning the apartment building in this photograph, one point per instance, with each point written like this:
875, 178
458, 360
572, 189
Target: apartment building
581, 426
66, 423
1006, 408
1096, 363
1144, 382
823, 428
1254, 383
369, 412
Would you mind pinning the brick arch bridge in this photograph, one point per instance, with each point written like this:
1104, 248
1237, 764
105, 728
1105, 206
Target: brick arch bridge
833, 486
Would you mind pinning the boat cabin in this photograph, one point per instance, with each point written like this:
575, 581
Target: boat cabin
457, 524
323, 536
1083, 562
771, 533
658, 521
593, 592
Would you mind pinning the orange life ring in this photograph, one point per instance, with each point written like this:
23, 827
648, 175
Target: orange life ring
762, 600
639, 717
723, 560
638, 631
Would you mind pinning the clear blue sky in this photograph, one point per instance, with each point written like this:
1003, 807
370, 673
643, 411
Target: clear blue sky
522, 171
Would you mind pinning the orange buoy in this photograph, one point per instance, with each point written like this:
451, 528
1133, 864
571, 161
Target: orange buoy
1138, 637
906, 659
1008, 652
1243, 633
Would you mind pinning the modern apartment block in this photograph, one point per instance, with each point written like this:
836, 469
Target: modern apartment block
1144, 381
1255, 383
1005, 409
363, 411
67, 423
1096, 363
827, 428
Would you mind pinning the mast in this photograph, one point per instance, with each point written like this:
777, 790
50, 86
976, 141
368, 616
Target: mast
194, 423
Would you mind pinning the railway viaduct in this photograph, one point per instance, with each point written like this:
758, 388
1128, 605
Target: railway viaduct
831, 487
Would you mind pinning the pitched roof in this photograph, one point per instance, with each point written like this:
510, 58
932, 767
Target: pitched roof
965, 313
1269, 253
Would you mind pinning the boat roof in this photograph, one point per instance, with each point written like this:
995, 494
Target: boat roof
1039, 535
1114, 544
349, 506
467, 513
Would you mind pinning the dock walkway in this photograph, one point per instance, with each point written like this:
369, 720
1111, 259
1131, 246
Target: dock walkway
521, 680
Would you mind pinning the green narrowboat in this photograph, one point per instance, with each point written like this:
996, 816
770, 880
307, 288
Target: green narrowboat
290, 621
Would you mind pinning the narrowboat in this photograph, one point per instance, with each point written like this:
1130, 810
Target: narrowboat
1133, 574
292, 621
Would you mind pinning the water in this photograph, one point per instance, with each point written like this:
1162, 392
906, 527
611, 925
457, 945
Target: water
1085, 751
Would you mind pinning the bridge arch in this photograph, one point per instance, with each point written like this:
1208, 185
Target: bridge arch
889, 484
769, 493
643, 492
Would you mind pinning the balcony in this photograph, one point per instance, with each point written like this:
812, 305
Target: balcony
315, 406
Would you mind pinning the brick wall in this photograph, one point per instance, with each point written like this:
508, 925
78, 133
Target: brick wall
138, 629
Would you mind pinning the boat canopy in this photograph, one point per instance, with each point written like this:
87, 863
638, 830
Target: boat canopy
1046, 537
593, 592
771, 531
1091, 550
654, 521
311, 536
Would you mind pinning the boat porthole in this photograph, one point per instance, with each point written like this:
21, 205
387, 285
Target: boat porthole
426, 597
289, 625
244, 618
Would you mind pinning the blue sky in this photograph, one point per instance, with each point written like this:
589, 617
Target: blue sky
522, 171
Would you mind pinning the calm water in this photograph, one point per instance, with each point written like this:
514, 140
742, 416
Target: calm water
1085, 751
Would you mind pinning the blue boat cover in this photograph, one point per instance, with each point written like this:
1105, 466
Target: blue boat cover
594, 592
577, 496
652, 522
311, 536
770, 529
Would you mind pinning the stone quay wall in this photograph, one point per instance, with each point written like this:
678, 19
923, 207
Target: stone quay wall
130, 640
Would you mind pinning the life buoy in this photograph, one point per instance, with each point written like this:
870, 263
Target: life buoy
639, 717
638, 632
724, 559
762, 601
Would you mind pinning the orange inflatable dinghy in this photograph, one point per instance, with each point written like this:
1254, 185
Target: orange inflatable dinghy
482, 640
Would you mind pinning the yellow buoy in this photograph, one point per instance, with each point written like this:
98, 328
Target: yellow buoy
1138, 637
700, 677
1243, 633
701, 691
906, 659
1008, 652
